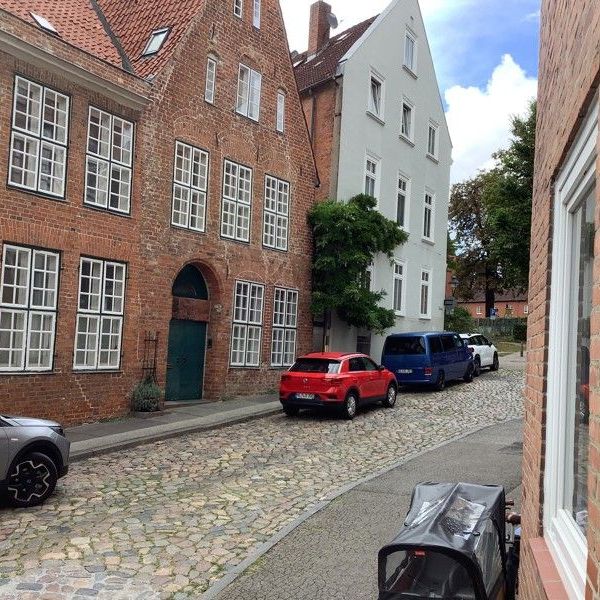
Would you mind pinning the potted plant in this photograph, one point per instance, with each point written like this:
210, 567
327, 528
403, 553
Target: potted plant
147, 396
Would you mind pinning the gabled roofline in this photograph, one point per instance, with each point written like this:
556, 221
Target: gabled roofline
127, 66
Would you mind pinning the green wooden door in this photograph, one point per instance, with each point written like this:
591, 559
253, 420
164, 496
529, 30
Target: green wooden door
185, 363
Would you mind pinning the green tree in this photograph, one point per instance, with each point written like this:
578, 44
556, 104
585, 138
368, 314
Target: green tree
460, 320
347, 236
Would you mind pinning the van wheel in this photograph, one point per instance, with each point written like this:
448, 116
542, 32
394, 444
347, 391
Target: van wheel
496, 364
350, 406
440, 384
476, 366
390, 397
468, 376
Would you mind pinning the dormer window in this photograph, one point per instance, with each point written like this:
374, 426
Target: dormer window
43, 23
157, 39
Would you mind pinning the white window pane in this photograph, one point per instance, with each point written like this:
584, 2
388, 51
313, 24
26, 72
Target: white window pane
243, 92
254, 102
86, 341
256, 14
55, 116
120, 188
255, 306
242, 231
122, 138
28, 106
52, 169
270, 221
238, 8
99, 129
279, 307
211, 78
197, 210
180, 213
291, 308
41, 340
289, 353
228, 219
253, 346
199, 173
23, 161
277, 345
183, 163
109, 356
90, 285
242, 291
12, 339
238, 345
270, 193
97, 179
280, 112
44, 283
282, 233
15, 276
114, 287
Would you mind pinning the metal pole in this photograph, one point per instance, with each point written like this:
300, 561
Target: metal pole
521, 348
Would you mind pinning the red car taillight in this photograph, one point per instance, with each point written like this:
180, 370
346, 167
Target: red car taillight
428, 371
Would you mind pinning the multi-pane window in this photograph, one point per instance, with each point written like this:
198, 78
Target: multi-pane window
100, 310
376, 96
237, 196
248, 93
432, 146
109, 160
371, 175
190, 180
38, 151
280, 111
407, 120
399, 287
277, 204
425, 300
402, 201
246, 334
428, 216
211, 80
238, 8
285, 322
28, 301
410, 52
256, 14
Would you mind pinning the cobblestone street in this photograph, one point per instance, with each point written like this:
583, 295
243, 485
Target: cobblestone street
167, 519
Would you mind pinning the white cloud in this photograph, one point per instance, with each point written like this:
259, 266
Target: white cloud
479, 120
534, 16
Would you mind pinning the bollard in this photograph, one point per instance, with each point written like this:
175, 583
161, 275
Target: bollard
521, 349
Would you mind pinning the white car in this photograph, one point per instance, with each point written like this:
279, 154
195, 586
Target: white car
485, 354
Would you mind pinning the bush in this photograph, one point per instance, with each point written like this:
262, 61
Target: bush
146, 396
460, 321
520, 331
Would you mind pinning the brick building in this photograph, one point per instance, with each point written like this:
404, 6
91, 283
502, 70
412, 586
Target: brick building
561, 464
158, 173
508, 304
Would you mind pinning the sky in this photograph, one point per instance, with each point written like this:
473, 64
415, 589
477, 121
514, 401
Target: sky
485, 54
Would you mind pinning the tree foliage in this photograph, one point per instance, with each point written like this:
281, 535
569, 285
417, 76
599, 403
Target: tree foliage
347, 236
490, 216
460, 320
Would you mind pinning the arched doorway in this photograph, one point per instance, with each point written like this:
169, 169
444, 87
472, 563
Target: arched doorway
187, 336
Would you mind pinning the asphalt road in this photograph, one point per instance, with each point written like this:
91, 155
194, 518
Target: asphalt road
333, 555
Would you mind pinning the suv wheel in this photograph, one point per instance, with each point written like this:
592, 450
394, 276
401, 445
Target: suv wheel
350, 406
468, 376
496, 364
390, 397
476, 366
32, 478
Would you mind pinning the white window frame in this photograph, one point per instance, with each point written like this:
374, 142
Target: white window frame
236, 207
155, 41
526, 309
280, 121
406, 192
411, 134
371, 108
396, 276
412, 36
247, 317
211, 80
433, 126
47, 151
422, 282
248, 93
238, 8
101, 314
478, 310
428, 210
256, 9
30, 309
116, 159
374, 177
190, 187
276, 214
285, 327
565, 540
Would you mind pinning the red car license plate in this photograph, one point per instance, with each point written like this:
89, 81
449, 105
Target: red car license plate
305, 396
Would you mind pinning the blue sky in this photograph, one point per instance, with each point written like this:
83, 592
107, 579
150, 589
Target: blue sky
485, 54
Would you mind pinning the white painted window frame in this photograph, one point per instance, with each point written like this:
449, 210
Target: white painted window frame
433, 126
276, 214
285, 326
411, 134
248, 93
211, 80
244, 292
238, 8
256, 13
402, 278
236, 207
478, 310
422, 282
565, 540
280, 121
371, 108
369, 157
411, 35
407, 194
156, 41
431, 208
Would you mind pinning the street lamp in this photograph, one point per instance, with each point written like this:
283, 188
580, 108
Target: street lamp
454, 284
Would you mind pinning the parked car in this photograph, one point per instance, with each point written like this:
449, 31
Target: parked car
34, 454
335, 379
427, 358
485, 354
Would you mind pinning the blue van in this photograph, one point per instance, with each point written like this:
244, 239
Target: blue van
428, 357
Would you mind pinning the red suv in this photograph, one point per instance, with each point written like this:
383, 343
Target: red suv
344, 380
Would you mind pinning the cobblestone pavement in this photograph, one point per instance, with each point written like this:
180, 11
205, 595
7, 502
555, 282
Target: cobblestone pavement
167, 519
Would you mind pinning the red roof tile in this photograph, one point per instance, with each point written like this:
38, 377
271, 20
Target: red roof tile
76, 22
323, 65
133, 21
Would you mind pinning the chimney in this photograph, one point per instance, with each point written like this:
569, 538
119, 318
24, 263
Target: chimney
318, 34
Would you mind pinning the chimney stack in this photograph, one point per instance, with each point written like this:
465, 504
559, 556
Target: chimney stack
318, 34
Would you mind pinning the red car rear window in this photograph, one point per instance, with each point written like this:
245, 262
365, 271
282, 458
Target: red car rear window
316, 365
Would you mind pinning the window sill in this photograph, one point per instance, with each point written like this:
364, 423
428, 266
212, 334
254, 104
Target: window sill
234, 240
107, 211
243, 116
27, 373
432, 158
375, 117
280, 250
410, 72
428, 241
424, 318
183, 228
407, 140
97, 371
38, 194
399, 313
547, 571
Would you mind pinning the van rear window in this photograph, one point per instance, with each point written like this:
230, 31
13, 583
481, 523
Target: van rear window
398, 346
316, 365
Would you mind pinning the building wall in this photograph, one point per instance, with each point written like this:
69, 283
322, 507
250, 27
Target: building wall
179, 112
73, 230
383, 51
568, 78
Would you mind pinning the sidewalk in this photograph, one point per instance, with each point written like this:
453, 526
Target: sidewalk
177, 419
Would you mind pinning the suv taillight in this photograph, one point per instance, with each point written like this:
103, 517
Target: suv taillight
428, 371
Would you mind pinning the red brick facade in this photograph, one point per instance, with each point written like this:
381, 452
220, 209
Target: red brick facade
153, 249
568, 79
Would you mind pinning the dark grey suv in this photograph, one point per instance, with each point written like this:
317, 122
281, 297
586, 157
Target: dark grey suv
34, 454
